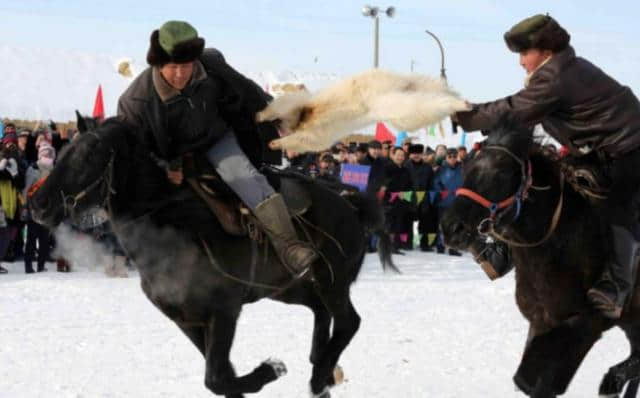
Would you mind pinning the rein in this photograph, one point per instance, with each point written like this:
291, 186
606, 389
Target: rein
69, 202
487, 225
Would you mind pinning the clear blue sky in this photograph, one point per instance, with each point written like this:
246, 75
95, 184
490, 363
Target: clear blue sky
333, 36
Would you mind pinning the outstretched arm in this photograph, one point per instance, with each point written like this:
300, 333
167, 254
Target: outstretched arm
528, 106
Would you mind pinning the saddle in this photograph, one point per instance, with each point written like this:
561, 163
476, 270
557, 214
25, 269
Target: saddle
234, 217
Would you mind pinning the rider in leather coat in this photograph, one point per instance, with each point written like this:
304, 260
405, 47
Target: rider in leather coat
585, 110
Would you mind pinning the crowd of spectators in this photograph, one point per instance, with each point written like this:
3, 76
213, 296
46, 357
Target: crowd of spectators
413, 183
26, 156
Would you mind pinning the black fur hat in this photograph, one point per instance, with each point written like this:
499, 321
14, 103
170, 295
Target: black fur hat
539, 31
175, 41
416, 148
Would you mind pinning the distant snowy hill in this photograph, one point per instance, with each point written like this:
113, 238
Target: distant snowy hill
50, 84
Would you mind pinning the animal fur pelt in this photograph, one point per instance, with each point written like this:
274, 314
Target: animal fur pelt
315, 122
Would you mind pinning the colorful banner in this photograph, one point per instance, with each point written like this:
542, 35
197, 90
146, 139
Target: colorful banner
98, 106
432, 130
355, 175
383, 133
400, 138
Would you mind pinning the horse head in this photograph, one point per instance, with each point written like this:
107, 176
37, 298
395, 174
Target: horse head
82, 178
496, 182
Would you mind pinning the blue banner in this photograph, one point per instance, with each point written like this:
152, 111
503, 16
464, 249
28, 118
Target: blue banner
355, 175
400, 137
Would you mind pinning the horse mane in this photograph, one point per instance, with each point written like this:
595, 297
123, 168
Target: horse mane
509, 132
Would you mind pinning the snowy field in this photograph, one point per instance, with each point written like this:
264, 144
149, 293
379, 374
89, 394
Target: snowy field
441, 329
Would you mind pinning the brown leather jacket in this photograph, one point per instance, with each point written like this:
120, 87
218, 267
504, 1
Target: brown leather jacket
577, 103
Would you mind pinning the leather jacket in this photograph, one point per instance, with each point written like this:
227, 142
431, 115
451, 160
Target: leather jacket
577, 103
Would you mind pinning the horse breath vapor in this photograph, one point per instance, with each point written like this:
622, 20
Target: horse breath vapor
315, 122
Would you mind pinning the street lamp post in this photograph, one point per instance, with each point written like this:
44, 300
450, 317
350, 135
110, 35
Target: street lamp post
443, 75
373, 12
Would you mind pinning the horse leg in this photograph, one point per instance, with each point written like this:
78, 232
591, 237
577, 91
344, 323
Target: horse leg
626, 371
305, 294
346, 322
220, 377
551, 359
197, 336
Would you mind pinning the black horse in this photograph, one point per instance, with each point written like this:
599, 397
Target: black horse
515, 192
198, 275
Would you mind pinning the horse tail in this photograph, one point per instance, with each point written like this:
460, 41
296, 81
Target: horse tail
385, 248
372, 217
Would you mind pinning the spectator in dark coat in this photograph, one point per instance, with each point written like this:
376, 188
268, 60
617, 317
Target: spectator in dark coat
398, 212
377, 164
447, 180
422, 177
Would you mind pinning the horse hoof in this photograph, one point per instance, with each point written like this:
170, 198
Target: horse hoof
277, 365
322, 394
338, 375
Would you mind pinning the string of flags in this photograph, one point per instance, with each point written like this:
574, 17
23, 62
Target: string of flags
408, 196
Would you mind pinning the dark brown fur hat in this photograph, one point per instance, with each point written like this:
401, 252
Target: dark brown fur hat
539, 31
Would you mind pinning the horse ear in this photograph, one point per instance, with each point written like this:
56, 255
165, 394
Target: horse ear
81, 123
512, 133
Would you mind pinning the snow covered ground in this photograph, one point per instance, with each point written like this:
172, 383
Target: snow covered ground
441, 329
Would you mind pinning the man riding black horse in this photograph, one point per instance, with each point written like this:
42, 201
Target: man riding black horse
191, 100
590, 113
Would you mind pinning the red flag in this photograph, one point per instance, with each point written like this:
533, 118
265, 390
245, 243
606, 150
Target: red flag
383, 133
98, 107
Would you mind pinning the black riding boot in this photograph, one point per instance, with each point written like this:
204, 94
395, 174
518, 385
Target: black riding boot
612, 289
494, 257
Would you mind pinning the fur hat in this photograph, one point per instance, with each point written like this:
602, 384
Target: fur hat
375, 144
539, 31
416, 148
175, 41
452, 151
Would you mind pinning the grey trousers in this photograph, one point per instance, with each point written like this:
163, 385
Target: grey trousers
236, 170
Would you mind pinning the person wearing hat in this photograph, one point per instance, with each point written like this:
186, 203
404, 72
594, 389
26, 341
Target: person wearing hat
587, 111
361, 153
377, 163
399, 214
422, 177
446, 182
190, 100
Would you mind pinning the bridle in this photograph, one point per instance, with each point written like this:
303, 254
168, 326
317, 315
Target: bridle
104, 183
497, 210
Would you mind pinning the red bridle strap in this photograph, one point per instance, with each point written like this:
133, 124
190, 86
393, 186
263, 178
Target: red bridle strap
492, 206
